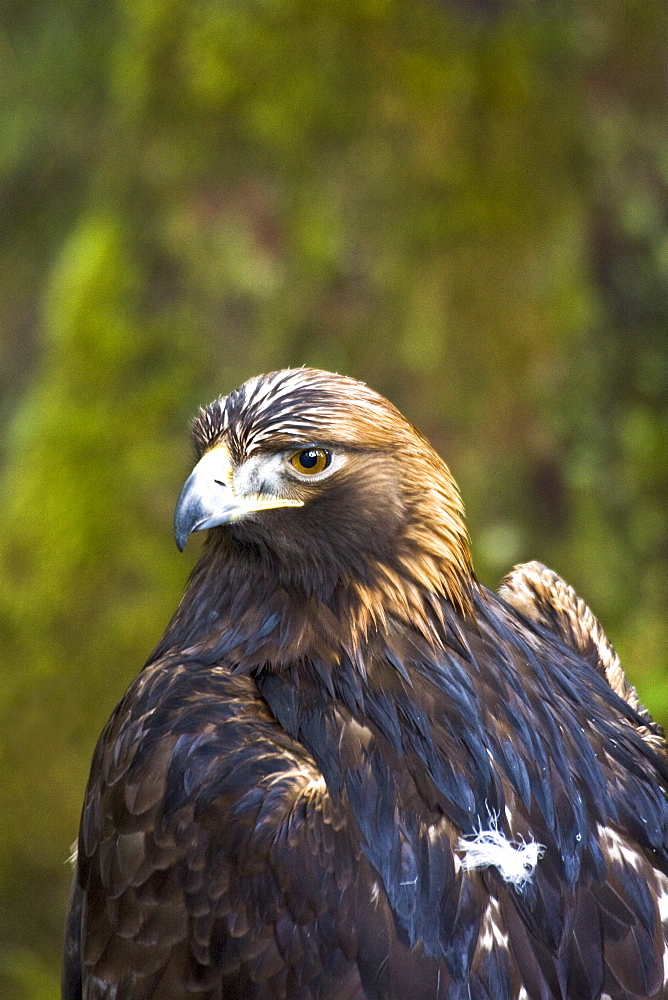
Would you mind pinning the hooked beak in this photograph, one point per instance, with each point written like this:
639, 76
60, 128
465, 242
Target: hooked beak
208, 498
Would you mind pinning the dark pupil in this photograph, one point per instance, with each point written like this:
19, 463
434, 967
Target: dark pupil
308, 458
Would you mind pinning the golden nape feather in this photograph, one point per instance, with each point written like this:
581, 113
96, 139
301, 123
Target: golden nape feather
348, 770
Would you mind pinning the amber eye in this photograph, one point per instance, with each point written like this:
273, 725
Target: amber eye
311, 461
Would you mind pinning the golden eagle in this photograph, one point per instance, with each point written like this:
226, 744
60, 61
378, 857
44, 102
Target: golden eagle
348, 770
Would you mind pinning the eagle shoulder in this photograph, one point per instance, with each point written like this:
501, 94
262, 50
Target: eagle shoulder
210, 850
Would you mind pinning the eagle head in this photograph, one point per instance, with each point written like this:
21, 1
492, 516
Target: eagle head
320, 479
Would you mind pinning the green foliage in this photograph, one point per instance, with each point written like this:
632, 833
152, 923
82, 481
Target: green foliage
466, 210
91, 471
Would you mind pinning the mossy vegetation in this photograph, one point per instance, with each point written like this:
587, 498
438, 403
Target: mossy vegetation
462, 204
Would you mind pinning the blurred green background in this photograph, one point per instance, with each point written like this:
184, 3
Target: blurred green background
462, 203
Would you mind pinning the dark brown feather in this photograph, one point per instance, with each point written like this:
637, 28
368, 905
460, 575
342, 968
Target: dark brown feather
546, 598
285, 802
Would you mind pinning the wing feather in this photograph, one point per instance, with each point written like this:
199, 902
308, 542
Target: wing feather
210, 854
218, 860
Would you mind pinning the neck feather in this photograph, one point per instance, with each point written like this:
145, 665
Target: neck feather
236, 607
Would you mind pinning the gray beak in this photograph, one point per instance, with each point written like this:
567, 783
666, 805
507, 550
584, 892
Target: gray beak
208, 498
204, 503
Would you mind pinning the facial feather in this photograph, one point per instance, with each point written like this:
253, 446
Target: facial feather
393, 515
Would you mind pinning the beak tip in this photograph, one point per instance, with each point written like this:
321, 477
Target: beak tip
181, 533
187, 517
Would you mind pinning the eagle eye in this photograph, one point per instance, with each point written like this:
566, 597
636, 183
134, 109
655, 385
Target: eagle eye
311, 461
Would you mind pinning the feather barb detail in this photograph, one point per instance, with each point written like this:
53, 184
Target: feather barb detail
515, 862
